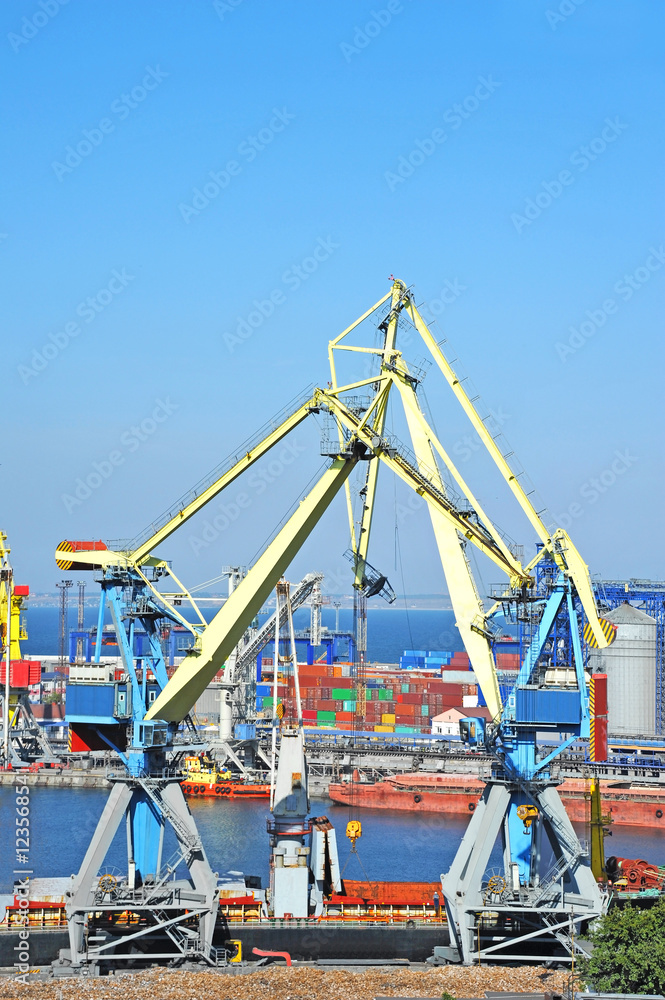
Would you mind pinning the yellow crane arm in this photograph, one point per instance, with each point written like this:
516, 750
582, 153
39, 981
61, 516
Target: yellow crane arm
140, 556
578, 571
368, 494
420, 481
225, 630
558, 545
224, 480
477, 423
412, 410
468, 608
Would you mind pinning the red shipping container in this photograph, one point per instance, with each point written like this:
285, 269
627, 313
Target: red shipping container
309, 680
406, 710
309, 715
344, 716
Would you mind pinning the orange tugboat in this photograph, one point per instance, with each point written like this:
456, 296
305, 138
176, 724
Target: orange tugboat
202, 777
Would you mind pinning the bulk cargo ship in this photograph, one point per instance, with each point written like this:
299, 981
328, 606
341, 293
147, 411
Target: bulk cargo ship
626, 804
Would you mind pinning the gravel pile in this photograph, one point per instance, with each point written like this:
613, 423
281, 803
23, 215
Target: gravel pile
280, 983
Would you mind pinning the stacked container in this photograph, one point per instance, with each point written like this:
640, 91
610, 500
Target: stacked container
393, 702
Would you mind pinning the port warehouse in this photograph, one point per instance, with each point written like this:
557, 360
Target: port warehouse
400, 700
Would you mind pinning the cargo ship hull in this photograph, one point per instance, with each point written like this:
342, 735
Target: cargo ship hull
311, 941
627, 805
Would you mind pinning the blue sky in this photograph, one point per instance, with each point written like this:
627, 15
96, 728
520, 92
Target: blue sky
504, 158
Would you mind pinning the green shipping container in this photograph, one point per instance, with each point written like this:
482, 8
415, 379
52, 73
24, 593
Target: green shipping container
325, 716
342, 694
385, 694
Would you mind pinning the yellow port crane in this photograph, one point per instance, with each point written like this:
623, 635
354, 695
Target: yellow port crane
458, 520
361, 437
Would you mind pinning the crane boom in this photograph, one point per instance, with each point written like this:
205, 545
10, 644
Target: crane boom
139, 554
222, 634
558, 544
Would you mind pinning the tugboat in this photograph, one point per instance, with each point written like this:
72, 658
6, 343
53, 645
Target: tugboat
203, 777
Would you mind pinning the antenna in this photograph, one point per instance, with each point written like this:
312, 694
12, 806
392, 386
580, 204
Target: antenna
63, 587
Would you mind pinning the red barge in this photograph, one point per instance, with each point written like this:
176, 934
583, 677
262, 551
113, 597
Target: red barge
458, 794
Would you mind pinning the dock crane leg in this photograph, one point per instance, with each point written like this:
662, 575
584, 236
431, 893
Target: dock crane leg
493, 920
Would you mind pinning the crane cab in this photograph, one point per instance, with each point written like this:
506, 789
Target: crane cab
472, 731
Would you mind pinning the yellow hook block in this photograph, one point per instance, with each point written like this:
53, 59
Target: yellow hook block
527, 814
354, 831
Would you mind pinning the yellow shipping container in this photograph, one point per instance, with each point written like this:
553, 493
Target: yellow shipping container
384, 729
388, 720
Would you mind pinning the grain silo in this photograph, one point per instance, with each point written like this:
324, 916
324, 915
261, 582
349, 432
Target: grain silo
630, 665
